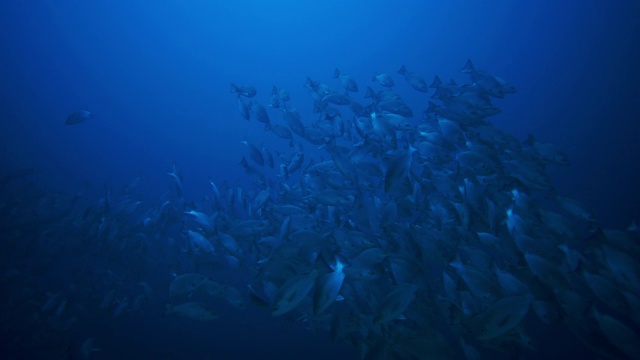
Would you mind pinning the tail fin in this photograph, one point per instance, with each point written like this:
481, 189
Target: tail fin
468, 67
370, 93
436, 82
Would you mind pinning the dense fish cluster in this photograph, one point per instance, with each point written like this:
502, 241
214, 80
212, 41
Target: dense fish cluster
409, 237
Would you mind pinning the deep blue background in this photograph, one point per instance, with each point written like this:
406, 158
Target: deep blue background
157, 75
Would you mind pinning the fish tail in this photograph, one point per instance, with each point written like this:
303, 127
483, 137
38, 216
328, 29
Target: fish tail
468, 67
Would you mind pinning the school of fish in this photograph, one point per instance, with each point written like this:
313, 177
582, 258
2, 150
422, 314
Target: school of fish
408, 236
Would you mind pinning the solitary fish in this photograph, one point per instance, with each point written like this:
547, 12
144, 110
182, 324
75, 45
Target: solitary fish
78, 117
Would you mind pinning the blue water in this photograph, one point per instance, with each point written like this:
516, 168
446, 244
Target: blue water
157, 75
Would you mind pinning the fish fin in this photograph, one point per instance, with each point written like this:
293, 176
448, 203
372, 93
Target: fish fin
369, 93
468, 67
436, 82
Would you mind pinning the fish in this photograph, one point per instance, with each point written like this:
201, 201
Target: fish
121, 306
254, 153
230, 244
191, 310
186, 284
261, 115
86, 348
267, 156
483, 285
78, 117
384, 79
328, 288
282, 132
256, 298
618, 334
247, 91
292, 292
292, 118
233, 296
548, 312
398, 170
198, 243
177, 178
503, 315
248, 228
209, 287
547, 152
347, 81
395, 303
244, 109
296, 163
337, 99
278, 97
492, 85
415, 80
206, 221
52, 300
576, 209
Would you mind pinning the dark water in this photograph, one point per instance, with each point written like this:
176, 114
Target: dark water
156, 77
